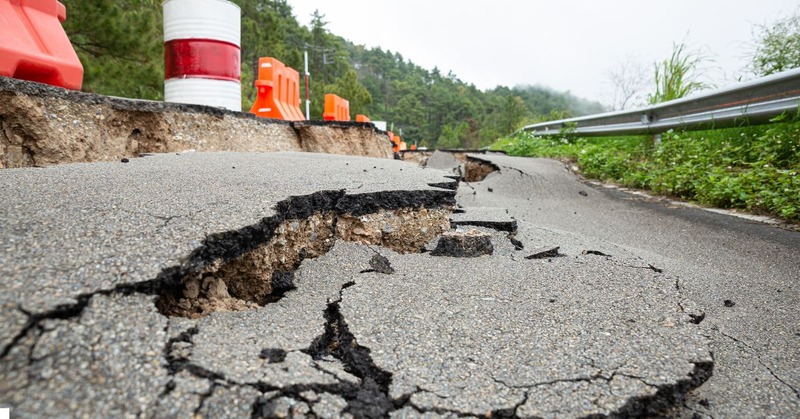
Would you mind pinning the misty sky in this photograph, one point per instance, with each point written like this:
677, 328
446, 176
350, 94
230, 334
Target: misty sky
564, 44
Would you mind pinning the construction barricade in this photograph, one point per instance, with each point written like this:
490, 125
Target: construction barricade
336, 108
362, 118
277, 91
395, 141
34, 46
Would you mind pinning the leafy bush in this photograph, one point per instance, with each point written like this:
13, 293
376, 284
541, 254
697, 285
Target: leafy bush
777, 46
753, 168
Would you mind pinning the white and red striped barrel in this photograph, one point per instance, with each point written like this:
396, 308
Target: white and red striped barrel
202, 53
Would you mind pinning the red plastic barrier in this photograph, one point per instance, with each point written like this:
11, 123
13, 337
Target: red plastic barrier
362, 118
34, 46
278, 94
336, 108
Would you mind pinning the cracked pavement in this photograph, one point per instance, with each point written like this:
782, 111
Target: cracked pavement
629, 322
712, 257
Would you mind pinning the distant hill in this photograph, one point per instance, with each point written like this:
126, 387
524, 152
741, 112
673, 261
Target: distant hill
120, 45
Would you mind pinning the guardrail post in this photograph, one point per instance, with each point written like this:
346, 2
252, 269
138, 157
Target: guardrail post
656, 139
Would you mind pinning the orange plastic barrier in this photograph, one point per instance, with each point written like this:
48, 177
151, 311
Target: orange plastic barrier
34, 46
362, 118
336, 108
396, 140
278, 94
413, 146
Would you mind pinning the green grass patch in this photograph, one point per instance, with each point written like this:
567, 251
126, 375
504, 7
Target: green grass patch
753, 168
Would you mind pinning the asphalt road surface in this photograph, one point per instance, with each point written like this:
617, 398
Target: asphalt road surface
592, 302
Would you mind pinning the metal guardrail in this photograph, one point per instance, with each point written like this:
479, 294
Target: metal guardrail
753, 102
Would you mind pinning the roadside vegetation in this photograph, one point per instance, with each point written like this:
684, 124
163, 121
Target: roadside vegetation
754, 168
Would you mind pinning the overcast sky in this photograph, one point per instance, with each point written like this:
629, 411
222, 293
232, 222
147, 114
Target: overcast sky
568, 45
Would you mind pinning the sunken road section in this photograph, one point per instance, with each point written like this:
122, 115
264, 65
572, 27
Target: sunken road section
262, 275
174, 226
296, 285
42, 125
109, 254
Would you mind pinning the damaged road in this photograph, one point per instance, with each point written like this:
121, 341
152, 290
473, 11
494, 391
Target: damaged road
302, 285
737, 279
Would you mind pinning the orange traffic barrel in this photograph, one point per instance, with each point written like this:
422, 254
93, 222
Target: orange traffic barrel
34, 46
202, 53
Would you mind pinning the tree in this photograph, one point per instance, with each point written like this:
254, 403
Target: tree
321, 47
120, 46
450, 137
266, 32
410, 115
778, 46
513, 114
628, 80
348, 87
677, 76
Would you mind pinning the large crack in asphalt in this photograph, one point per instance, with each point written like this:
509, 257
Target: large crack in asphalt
363, 219
229, 251
262, 273
371, 398
71, 311
223, 250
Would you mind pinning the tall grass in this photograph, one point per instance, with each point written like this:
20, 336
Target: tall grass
676, 76
753, 168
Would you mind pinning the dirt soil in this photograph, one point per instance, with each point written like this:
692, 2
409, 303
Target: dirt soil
250, 280
42, 125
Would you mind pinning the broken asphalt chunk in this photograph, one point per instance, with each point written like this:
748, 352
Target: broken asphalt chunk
273, 355
517, 244
546, 253
488, 217
380, 264
471, 243
595, 252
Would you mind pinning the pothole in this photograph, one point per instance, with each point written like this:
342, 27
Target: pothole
265, 273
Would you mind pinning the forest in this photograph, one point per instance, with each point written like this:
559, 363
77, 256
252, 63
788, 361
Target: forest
120, 43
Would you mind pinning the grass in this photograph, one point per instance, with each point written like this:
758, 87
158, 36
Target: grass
752, 168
